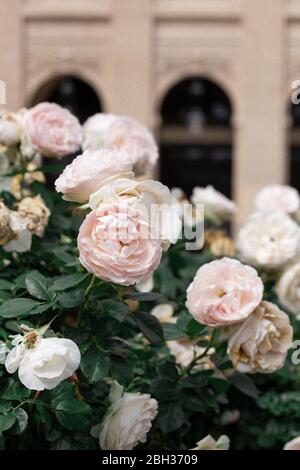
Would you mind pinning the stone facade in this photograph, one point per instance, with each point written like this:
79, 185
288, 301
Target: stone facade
132, 51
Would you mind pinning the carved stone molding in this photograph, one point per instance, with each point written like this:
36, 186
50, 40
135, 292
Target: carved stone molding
222, 72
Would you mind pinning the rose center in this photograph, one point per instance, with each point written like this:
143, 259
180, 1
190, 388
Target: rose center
221, 293
30, 339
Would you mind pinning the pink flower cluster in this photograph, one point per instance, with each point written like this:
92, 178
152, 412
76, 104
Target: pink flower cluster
227, 293
118, 241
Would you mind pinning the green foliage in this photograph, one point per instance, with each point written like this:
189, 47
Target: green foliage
48, 283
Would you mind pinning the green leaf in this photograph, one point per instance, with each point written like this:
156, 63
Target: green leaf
164, 389
144, 296
220, 385
38, 285
5, 285
95, 365
7, 421
171, 331
20, 281
15, 307
14, 390
71, 298
74, 442
41, 308
170, 417
150, 327
243, 383
120, 369
73, 414
65, 282
113, 307
195, 328
63, 391
5, 295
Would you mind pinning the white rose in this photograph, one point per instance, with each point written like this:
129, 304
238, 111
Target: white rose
3, 352
268, 240
288, 288
209, 443
127, 421
278, 197
42, 362
214, 202
185, 351
294, 444
146, 285
22, 236
178, 193
150, 197
9, 128
95, 130
261, 342
164, 313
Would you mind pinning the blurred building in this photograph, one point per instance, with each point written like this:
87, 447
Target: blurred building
212, 78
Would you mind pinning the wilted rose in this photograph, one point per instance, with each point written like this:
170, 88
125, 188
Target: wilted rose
261, 342
34, 211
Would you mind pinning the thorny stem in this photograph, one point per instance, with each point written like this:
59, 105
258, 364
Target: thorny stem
36, 395
201, 356
83, 305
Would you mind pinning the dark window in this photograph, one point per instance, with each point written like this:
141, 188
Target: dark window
295, 148
72, 93
195, 137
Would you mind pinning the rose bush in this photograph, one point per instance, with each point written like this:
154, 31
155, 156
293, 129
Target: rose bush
110, 356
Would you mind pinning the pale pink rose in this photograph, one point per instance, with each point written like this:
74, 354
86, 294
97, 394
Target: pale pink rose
52, 130
88, 171
224, 292
294, 444
117, 244
124, 133
128, 134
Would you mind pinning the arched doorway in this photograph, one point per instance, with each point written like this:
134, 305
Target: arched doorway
294, 170
70, 92
196, 136
74, 94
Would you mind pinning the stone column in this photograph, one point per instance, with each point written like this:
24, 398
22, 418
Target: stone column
132, 57
260, 152
10, 53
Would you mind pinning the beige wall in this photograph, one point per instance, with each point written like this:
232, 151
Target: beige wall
133, 51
